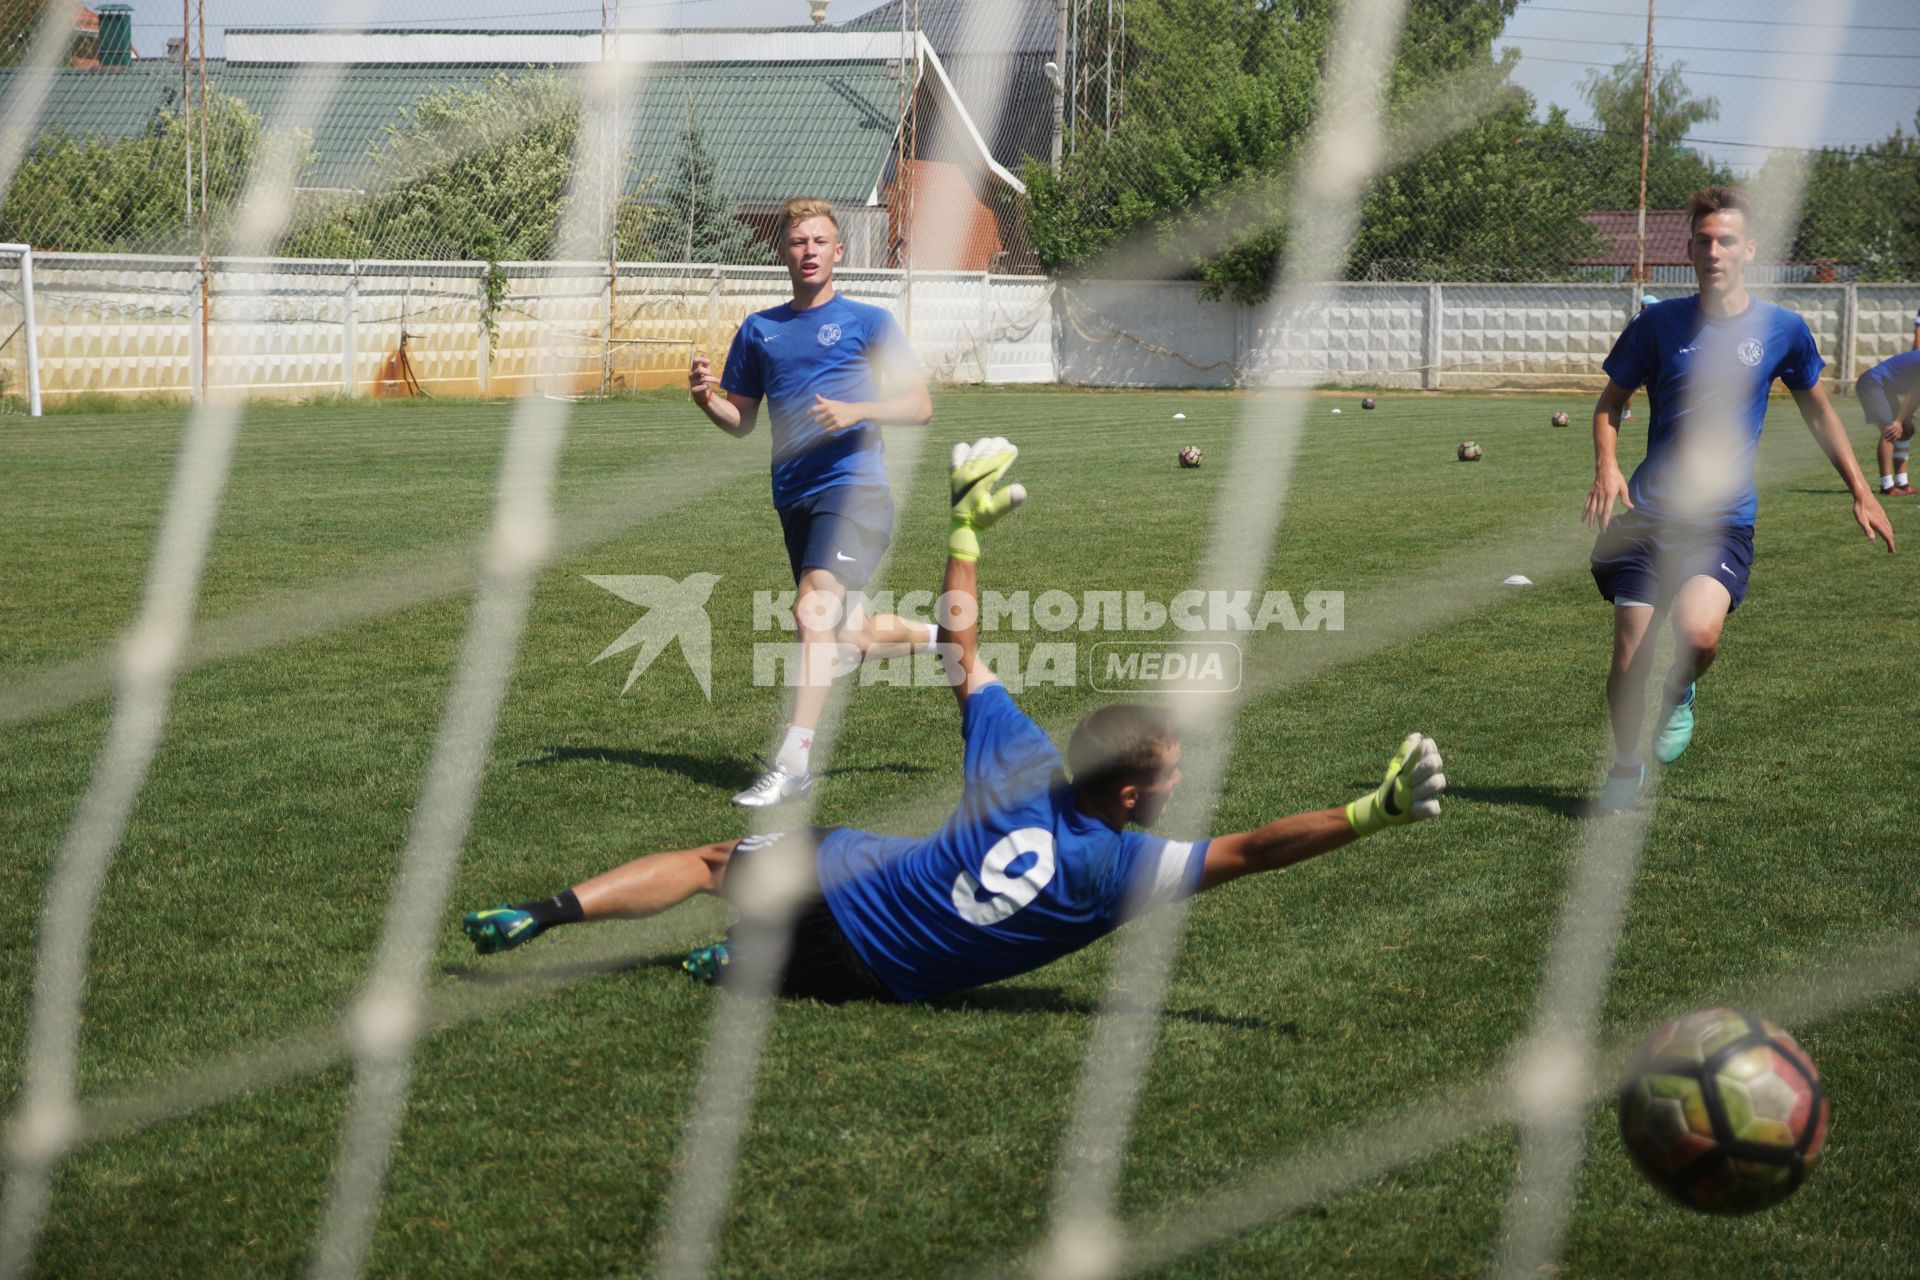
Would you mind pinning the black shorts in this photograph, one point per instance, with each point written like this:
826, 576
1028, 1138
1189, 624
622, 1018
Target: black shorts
821, 964
1628, 557
844, 530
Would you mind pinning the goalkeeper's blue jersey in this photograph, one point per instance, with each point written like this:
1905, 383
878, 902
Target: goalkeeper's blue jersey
1678, 354
788, 357
1016, 878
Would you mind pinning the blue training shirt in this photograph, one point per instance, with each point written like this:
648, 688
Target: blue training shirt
788, 357
1674, 352
1016, 878
1896, 374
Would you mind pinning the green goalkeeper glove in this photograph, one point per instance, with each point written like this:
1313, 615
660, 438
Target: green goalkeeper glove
977, 467
1410, 793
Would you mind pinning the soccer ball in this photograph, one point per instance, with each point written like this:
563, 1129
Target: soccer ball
1191, 456
1366, 402
1561, 419
1723, 1111
1468, 451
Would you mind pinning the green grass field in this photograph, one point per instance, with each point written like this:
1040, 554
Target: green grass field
241, 913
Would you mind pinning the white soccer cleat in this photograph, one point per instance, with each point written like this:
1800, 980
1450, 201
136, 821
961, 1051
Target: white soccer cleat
775, 786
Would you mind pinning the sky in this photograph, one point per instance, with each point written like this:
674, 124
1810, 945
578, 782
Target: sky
1764, 60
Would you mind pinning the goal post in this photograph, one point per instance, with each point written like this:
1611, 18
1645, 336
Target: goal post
27, 329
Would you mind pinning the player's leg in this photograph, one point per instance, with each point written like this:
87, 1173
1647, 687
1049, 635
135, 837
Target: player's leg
634, 890
1625, 570
1699, 614
1899, 451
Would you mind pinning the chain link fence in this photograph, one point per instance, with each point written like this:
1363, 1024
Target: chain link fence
1101, 140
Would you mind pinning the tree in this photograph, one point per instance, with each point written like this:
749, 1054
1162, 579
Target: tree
92, 195
1220, 95
697, 221
1863, 207
1612, 162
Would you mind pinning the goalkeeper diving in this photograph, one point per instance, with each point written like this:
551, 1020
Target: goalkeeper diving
1040, 858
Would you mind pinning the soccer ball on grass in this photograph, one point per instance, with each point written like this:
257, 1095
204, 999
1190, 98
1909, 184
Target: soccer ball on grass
1468, 451
1723, 1111
1191, 456
1561, 419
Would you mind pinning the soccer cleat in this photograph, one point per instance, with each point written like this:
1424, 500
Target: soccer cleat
1677, 732
776, 786
499, 929
1899, 491
703, 964
1622, 791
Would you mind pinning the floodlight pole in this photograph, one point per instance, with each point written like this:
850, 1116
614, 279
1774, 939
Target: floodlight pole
1646, 134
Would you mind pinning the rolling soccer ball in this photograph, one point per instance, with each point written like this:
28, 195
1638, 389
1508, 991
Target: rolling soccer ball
1366, 402
1561, 419
1723, 1111
1468, 451
1191, 456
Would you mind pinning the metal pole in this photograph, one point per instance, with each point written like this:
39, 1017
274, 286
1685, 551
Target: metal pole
206, 233
1106, 35
186, 63
1059, 78
1646, 134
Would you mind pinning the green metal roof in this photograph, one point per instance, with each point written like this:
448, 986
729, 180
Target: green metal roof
824, 128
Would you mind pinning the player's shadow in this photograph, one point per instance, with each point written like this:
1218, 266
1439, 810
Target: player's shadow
1053, 1000
494, 975
729, 773
1555, 800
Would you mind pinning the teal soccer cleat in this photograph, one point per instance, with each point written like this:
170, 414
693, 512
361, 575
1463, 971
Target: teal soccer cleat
704, 964
499, 929
1677, 732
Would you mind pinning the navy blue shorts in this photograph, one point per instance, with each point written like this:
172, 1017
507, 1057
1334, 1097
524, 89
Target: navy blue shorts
1627, 555
1878, 401
821, 963
844, 530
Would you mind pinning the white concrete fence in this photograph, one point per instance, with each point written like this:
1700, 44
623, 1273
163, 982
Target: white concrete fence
291, 328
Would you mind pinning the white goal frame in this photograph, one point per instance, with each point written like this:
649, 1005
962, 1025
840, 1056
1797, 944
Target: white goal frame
28, 325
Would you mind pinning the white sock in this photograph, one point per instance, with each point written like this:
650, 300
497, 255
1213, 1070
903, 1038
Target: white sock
796, 751
1886, 482
932, 637
1900, 481
1623, 762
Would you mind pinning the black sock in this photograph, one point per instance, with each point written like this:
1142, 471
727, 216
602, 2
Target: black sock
561, 908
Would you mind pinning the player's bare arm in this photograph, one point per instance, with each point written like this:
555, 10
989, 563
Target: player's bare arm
1901, 428
914, 406
1608, 483
1824, 423
733, 414
1410, 793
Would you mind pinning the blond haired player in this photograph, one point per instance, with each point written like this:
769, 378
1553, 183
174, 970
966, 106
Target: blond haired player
820, 362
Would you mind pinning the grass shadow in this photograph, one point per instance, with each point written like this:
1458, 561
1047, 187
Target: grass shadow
1555, 800
727, 773
1055, 1001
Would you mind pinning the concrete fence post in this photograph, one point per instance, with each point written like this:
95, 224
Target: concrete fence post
1849, 334
1430, 378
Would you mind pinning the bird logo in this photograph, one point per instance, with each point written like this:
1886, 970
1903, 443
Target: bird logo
674, 611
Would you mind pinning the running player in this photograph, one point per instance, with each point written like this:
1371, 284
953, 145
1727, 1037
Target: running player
1685, 542
1030, 866
816, 361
